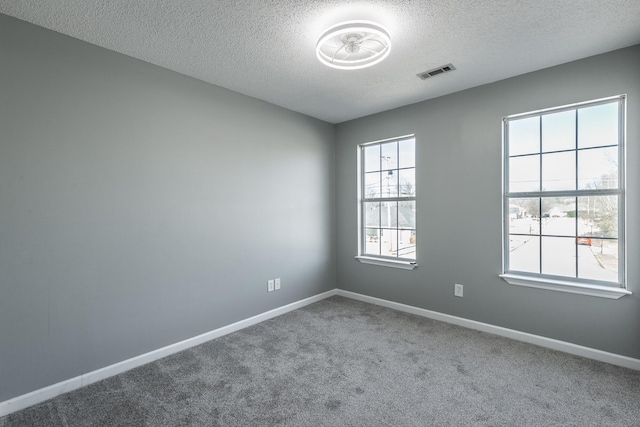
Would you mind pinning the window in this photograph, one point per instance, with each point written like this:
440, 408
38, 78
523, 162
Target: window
564, 198
387, 198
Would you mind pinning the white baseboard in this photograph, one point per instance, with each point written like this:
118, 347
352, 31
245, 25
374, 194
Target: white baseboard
578, 350
46, 393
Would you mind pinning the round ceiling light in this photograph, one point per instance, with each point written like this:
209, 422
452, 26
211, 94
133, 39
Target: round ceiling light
353, 45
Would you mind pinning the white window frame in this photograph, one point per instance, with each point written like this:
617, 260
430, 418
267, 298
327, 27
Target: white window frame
363, 257
569, 284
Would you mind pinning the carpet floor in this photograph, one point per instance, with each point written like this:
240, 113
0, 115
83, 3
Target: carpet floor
341, 362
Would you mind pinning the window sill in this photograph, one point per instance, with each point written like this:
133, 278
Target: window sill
405, 265
566, 286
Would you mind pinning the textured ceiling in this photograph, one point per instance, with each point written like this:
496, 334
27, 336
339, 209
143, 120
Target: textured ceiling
266, 48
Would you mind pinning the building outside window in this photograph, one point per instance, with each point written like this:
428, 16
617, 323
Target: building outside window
387, 206
564, 195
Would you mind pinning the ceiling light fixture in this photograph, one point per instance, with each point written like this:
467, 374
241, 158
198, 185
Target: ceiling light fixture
353, 45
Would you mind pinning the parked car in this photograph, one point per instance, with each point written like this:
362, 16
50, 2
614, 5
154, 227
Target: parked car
583, 241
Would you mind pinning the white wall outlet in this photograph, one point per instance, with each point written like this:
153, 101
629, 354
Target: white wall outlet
457, 290
277, 283
270, 285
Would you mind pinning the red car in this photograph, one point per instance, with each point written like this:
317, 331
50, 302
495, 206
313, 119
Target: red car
583, 241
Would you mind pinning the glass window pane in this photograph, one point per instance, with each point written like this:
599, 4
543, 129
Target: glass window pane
598, 125
407, 181
407, 153
524, 253
559, 256
598, 168
407, 244
372, 158
390, 183
389, 243
372, 214
389, 155
598, 259
559, 171
598, 216
524, 174
407, 214
389, 214
524, 136
559, 216
372, 241
559, 131
524, 216
372, 184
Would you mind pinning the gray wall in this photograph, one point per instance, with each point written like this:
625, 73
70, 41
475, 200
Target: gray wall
459, 208
139, 207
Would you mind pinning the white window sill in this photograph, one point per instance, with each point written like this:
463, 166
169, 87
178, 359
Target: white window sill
405, 265
566, 286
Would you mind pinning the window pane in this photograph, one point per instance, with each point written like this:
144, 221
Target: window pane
598, 259
524, 216
389, 155
407, 153
372, 158
407, 182
559, 256
559, 171
372, 214
598, 168
407, 214
559, 131
407, 244
524, 174
559, 216
524, 136
598, 125
389, 243
372, 184
390, 183
598, 216
372, 241
389, 214
524, 253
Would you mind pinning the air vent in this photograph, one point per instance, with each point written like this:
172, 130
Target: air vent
436, 71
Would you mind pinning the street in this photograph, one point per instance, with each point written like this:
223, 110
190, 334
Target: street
559, 253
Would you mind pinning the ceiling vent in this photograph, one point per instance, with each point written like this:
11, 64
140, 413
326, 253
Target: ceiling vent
440, 70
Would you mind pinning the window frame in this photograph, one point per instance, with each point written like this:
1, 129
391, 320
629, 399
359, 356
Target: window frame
381, 260
574, 285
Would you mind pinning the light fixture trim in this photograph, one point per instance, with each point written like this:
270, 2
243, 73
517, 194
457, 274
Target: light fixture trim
352, 35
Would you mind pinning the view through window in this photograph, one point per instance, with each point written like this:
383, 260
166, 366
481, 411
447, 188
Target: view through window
388, 199
564, 193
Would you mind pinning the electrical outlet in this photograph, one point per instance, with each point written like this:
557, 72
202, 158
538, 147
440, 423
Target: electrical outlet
270, 285
457, 290
277, 283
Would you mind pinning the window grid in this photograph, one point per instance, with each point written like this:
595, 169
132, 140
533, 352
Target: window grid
387, 199
579, 237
